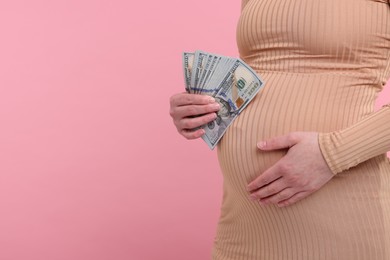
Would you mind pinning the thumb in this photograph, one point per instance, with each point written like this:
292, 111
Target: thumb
280, 142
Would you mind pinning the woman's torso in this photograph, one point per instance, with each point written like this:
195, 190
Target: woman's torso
323, 63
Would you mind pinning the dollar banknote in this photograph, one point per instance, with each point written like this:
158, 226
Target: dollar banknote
230, 81
188, 60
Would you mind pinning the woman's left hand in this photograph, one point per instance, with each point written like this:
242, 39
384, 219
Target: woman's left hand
299, 173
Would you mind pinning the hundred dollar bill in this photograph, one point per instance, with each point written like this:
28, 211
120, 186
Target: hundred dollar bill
229, 80
209, 71
213, 84
236, 89
188, 61
199, 64
207, 68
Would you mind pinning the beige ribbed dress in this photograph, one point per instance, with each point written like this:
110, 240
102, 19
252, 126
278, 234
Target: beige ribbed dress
324, 63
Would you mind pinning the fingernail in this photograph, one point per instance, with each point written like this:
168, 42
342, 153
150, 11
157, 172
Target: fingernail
261, 145
211, 100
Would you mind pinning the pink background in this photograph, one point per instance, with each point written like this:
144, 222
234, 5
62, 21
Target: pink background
91, 167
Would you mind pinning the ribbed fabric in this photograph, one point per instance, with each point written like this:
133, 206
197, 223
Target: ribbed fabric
324, 63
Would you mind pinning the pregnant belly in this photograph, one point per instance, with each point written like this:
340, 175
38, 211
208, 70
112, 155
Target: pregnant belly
287, 103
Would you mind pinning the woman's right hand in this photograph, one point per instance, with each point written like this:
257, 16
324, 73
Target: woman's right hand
190, 111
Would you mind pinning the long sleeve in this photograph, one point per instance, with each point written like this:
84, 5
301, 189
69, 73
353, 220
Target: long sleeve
358, 143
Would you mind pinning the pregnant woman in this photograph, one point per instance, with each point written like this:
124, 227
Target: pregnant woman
306, 175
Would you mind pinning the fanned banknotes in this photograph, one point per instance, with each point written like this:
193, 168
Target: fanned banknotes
230, 81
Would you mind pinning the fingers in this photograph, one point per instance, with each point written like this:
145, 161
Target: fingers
266, 178
190, 111
296, 175
277, 198
269, 190
295, 198
189, 134
191, 123
283, 198
179, 112
280, 142
278, 185
184, 99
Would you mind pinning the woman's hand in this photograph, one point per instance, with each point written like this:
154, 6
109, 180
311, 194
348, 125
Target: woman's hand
299, 173
190, 111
